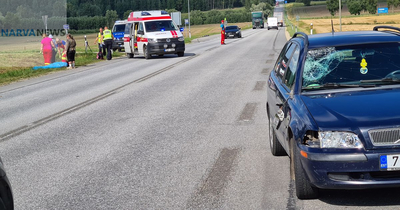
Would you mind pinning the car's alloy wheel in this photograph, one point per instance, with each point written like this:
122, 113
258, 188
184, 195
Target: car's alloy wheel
304, 189
274, 144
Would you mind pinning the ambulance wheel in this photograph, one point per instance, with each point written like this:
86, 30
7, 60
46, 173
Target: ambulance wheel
146, 53
129, 55
180, 54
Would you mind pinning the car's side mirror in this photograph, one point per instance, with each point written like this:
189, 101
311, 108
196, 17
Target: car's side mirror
239, 28
181, 29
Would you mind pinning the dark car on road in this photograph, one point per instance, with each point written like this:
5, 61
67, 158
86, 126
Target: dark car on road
6, 197
232, 32
333, 108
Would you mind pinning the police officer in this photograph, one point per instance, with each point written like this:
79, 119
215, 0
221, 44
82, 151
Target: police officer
108, 39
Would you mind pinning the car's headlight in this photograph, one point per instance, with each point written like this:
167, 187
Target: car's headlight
181, 39
237, 32
152, 40
345, 140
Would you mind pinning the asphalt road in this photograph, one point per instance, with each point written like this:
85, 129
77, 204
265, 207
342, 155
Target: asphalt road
164, 133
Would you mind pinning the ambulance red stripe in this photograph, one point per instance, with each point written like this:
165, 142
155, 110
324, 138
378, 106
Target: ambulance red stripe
149, 18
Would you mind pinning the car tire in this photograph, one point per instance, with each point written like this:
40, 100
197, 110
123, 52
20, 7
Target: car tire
268, 28
129, 55
146, 53
274, 144
181, 54
2, 206
304, 189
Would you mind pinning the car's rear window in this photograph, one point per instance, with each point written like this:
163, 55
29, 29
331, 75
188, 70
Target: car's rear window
351, 64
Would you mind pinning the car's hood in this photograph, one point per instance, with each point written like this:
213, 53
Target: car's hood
355, 110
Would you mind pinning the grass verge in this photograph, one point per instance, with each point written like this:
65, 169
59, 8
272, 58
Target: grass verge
26, 52
13, 74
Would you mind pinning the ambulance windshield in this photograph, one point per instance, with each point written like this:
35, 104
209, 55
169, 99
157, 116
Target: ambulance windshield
160, 25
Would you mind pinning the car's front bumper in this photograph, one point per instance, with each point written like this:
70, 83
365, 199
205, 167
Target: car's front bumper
118, 44
231, 35
358, 170
172, 47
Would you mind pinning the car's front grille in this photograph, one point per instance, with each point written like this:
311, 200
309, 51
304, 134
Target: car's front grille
383, 137
170, 40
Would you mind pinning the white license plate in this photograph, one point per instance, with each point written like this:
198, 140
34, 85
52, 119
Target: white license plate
389, 162
170, 50
231, 35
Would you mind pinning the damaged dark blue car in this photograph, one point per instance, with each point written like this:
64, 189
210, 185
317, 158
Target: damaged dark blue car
333, 104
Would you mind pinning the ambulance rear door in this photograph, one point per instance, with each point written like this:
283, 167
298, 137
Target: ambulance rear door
128, 37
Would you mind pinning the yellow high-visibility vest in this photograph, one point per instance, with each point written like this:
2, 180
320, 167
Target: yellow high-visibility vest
107, 35
64, 57
99, 38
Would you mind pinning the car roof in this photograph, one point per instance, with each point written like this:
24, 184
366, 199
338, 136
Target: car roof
351, 38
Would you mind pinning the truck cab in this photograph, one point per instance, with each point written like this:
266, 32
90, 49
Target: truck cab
257, 19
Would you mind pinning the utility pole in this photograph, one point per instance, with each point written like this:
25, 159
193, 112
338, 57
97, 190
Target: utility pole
190, 34
340, 14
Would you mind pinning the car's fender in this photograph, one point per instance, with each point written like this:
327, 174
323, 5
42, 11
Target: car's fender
301, 120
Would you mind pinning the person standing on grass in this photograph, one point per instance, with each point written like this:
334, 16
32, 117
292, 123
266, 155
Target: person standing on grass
53, 52
47, 46
108, 39
70, 47
99, 40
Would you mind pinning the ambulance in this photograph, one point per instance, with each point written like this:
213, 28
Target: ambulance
150, 33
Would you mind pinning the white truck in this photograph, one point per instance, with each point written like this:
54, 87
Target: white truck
272, 23
279, 16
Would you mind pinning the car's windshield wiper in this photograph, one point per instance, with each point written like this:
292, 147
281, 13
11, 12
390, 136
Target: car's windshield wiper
337, 85
384, 81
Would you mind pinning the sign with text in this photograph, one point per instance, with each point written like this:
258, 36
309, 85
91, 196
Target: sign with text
383, 10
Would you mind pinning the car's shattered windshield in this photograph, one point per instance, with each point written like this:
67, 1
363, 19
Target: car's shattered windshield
358, 65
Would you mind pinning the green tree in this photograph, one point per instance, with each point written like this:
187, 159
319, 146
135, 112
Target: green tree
111, 17
307, 2
247, 5
333, 6
266, 8
355, 6
370, 6
126, 14
11, 20
59, 9
24, 11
